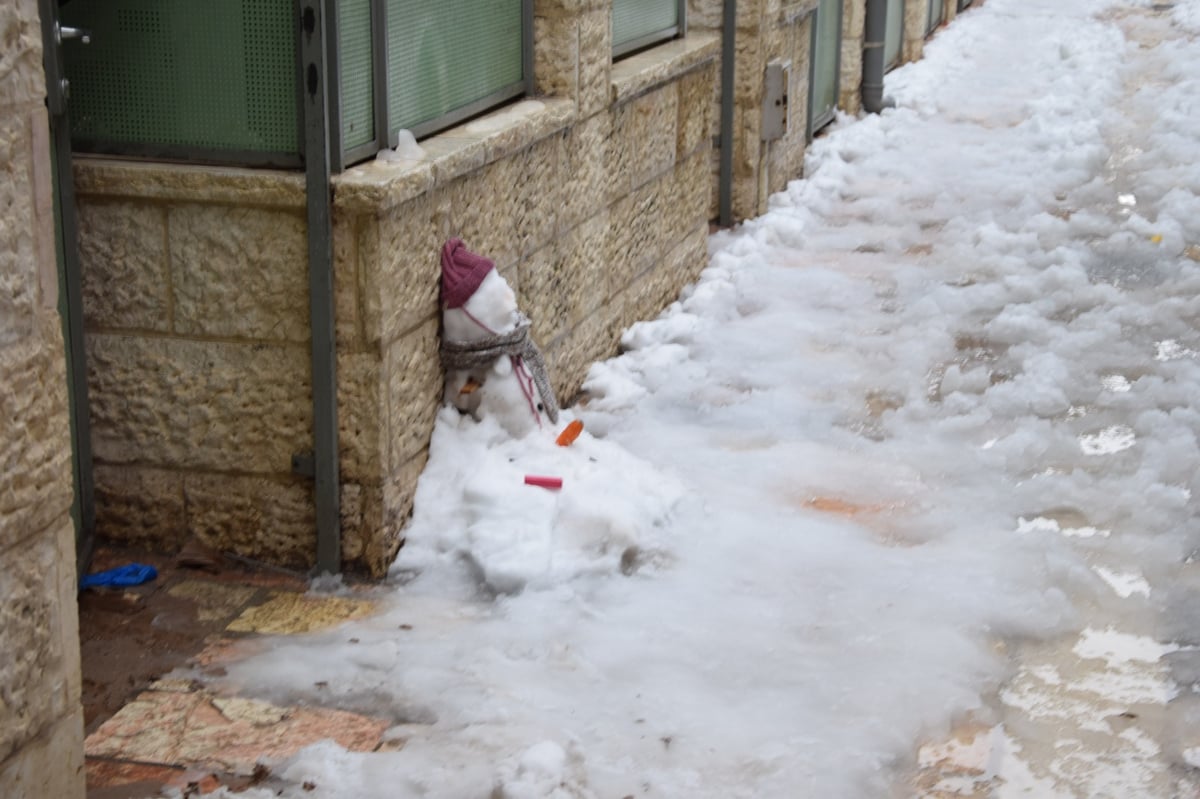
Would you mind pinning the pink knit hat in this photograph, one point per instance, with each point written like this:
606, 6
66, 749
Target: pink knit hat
462, 272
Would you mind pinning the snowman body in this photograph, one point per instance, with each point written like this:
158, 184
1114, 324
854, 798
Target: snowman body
500, 389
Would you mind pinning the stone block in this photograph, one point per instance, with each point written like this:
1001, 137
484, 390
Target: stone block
555, 54
695, 127
539, 191
35, 448
635, 234
361, 403
140, 505
591, 166
487, 225
692, 187
543, 297
199, 405
569, 358
854, 18
595, 60
704, 15
18, 276
396, 502
32, 676
347, 320
664, 63
123, 263
51, 766
66, 609
645, 130
399, 262
41, 175
22, 80
186, 183
267, 519
239, 271
414, 379
659, 286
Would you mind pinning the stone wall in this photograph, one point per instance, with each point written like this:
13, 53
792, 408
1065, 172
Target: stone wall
767, 30
195, 289
594, 201
41, 722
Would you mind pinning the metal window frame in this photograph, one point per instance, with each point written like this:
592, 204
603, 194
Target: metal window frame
815, 124
676, 31
932, 24
889, 66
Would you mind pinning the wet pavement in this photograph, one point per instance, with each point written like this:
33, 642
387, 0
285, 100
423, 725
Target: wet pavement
146, 732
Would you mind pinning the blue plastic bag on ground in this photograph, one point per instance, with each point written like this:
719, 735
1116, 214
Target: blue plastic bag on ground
121, 576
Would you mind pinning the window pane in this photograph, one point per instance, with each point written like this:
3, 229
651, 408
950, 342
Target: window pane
354, 44
178, 76
447, 54
894, 37
635, 20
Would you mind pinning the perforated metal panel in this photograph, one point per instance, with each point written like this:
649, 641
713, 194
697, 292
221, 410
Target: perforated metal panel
448, 57
356, 53
637, 23
185, 78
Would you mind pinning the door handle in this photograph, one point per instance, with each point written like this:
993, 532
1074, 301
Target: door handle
62, 32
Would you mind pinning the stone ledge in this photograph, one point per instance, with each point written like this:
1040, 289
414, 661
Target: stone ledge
651, 68
375, 186
107, 177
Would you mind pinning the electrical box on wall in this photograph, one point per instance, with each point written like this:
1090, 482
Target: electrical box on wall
775, 99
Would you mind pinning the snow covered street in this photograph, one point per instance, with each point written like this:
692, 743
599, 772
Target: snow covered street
898, 500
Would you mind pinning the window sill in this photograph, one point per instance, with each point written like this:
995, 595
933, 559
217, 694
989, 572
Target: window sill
640, 73
376, 186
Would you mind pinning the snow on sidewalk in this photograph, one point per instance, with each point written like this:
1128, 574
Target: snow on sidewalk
936, 406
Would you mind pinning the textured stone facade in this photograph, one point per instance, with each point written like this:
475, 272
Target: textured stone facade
594, 201
41, 726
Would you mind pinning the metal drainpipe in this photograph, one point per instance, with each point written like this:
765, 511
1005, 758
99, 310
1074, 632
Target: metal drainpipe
728, 55
318, 191
874, 33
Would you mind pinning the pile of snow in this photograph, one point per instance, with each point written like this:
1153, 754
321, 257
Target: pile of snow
899, 421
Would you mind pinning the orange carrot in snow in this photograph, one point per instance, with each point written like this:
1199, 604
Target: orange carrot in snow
570, 433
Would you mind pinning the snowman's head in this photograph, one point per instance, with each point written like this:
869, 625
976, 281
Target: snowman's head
491, 309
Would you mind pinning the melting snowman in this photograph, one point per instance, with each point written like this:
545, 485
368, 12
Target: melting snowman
493, 368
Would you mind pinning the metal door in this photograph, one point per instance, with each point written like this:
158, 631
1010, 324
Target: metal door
54, 39
936, 13
824, 65
894, 35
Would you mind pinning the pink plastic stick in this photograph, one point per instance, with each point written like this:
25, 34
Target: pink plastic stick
542, 481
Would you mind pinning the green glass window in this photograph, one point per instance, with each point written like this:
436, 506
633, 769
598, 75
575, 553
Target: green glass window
450, 59
176, 78
638, 23
825, 64
355, 77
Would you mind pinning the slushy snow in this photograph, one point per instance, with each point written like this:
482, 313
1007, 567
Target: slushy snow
938, 400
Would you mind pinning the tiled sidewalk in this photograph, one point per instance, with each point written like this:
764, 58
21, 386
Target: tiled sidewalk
179, 733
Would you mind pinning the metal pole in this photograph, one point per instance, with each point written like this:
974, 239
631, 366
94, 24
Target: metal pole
874, 36
71, 282
728, 56
314, 74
